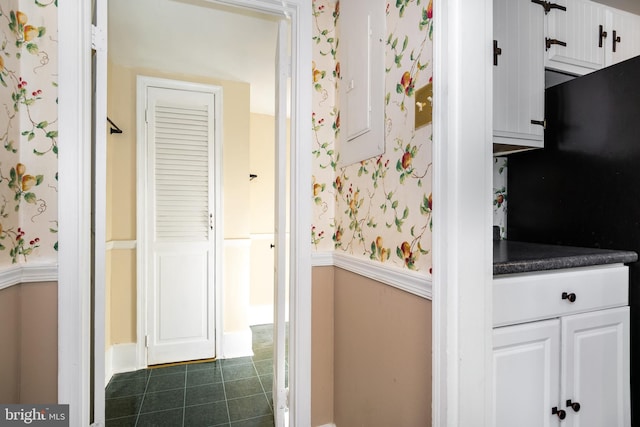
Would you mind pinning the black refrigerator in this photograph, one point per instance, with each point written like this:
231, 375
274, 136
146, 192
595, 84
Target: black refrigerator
583, 187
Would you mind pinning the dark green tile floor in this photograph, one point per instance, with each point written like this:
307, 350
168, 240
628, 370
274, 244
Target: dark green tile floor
230, 392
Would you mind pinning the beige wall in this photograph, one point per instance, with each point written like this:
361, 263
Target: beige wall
10, 348
382, 354
29, 336
121, 185
322, 331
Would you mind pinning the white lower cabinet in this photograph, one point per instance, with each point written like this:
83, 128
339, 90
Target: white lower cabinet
569, 370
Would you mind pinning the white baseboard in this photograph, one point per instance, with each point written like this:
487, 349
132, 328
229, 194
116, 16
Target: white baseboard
328, 425
260, 314
120, 358
237, 344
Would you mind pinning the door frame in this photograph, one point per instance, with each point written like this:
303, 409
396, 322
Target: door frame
74, 108
143, 199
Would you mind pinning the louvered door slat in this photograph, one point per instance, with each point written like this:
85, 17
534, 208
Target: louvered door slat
182, 172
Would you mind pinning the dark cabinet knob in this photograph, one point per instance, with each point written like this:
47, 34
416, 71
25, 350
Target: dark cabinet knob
272, 246
573, 405
569, 296
561, 413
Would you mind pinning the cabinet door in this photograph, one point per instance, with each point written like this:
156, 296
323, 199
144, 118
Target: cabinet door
627, 29
595, 368
578, 27
518, 77
526, 367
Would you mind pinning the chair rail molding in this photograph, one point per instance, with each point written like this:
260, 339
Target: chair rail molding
28, 273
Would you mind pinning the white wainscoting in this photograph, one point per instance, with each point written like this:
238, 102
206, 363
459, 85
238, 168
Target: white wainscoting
414, 282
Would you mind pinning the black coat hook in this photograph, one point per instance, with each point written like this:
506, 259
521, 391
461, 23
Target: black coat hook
252, 176
114, 127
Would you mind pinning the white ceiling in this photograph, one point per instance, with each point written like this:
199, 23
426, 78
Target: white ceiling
632, 6
198, 38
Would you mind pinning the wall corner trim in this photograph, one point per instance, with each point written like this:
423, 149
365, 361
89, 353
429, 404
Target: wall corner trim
28, 273
415, 283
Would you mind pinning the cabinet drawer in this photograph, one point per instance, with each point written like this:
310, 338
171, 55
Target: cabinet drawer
519, 298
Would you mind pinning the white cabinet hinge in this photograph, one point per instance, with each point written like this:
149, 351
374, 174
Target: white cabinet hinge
98, 39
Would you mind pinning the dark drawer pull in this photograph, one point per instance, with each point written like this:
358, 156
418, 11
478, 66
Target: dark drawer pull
573, 405
561, 413
569, 296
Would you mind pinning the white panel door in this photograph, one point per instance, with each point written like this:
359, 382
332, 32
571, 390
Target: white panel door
518, 73
595, 368
526, 364
180, 292
578, 27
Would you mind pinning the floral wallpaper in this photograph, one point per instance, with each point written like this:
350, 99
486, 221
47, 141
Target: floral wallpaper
500, 194
379, 209
28, 131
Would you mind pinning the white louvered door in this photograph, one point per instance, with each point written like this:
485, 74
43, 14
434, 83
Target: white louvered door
180, 292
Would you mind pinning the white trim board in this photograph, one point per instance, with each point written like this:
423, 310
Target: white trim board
120, 358
237, 344
28, 273
409, 281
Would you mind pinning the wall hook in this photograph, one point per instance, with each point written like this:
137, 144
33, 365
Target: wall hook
252, 176
114, 127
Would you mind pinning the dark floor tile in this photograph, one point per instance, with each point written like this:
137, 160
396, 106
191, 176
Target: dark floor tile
134, 375
204, 376
122, 406
236, 372
177, 369
236, 361
122, 422
242, 388
171, 418
203, 366
267, 382
264, 367
166, 382
205, 394
170, 399
263, 354
126, 388
210, 414
248, 407
265, 421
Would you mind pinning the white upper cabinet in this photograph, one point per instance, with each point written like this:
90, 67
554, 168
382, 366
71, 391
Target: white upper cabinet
624, 40
582, 38
573, 37
518, 73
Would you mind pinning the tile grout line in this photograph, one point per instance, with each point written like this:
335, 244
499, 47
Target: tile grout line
224, 390
184, 396
142, 401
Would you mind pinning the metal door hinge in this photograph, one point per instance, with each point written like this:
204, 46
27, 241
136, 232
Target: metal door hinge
496, 52
98, 39
548, 42
548, 6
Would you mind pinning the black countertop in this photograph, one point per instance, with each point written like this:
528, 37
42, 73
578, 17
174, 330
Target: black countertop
520, 257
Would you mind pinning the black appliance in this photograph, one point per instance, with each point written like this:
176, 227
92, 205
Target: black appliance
583, 187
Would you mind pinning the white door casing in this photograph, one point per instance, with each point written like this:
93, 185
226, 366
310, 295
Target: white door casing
177, 202
280, 227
